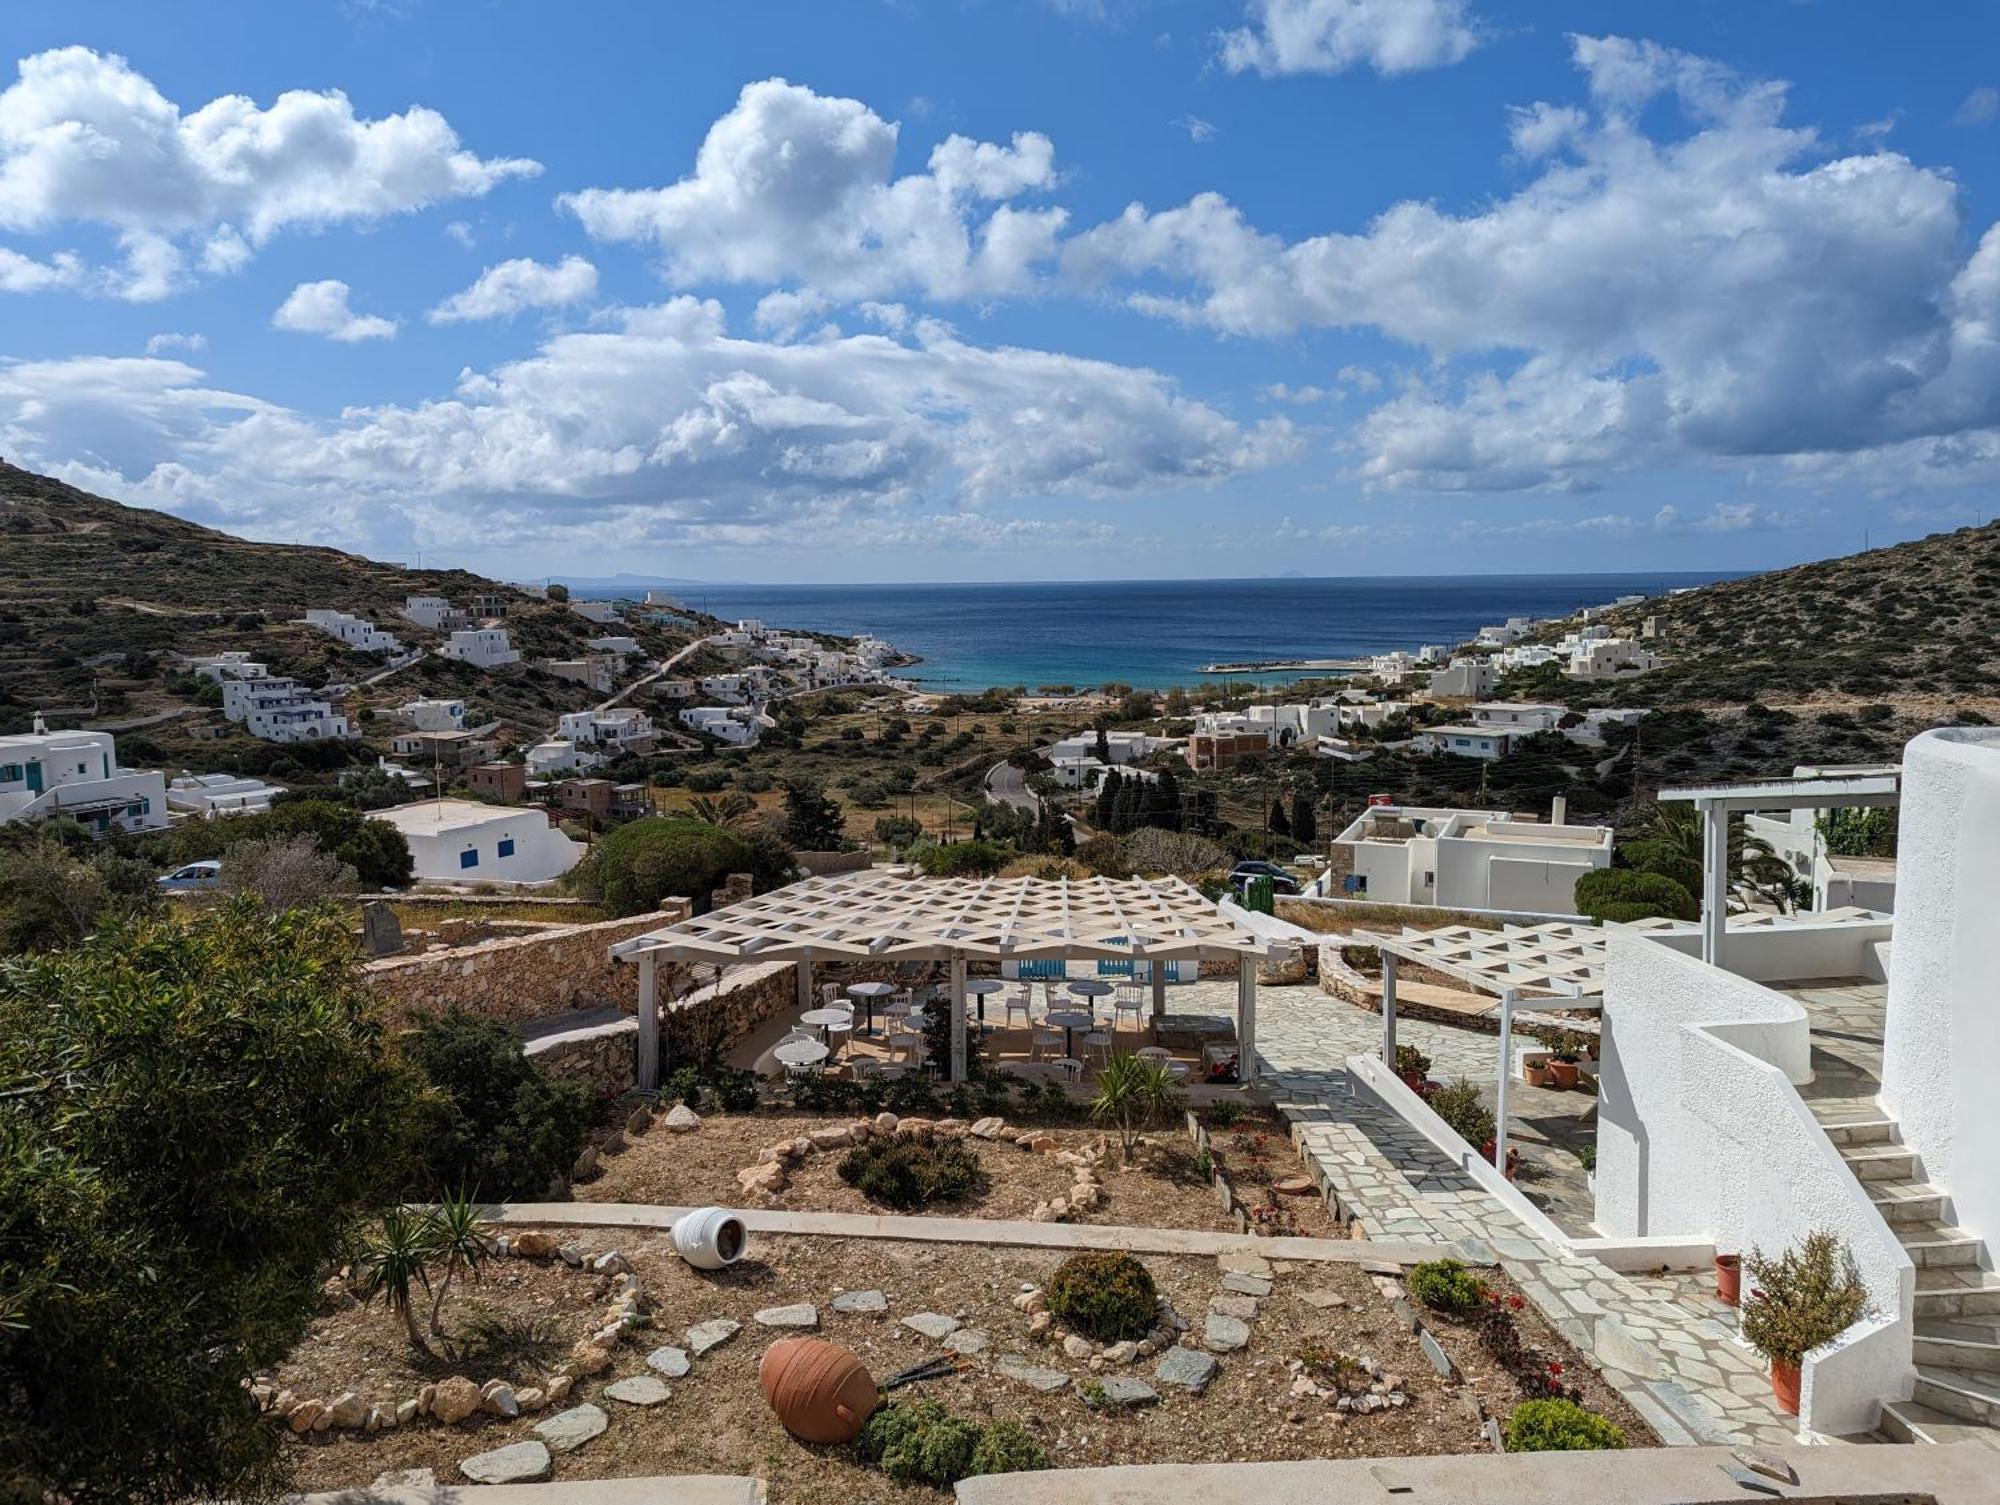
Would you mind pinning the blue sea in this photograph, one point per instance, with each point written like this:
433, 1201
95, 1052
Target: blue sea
1154, 634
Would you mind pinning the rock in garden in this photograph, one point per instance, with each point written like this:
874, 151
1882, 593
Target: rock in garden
861, 1301
497, 1398
967, 1340
836, 1138
1040, 1323
1078, 1347
1189, 1368
406, 1412
913, 1128
1388, 1269
588, 1358
1222, 1334
517, 1463
533, 1243
988, 1128
405, 1478
712, 1334
885, 1123
1245, 1285
640, 1121
1326, 1301
347, 1409
1031, 1301
1244, 1262
570, 1254
800, 1314
454, 1400
1122, 1353
531, 1399
932, 1324
639, 1390
566, 1431
610, 1263
613, 1143
586, 1164
1440, 1360
681, 1119
1125, 1393
1014, 1367
949, 1128
559, 1388
304, 1415
672, 1362
1244, 1308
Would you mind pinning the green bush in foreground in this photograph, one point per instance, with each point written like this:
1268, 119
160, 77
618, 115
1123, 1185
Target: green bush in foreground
1007, 1448
495, 1122
1463, 1111
903, 1173
1559, 1426
1108, 1297
919, 1442
1445, 1285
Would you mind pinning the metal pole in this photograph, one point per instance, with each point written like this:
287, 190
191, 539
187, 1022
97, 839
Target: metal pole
1715, 879
1389, 1009
647, 1074
1500, 1094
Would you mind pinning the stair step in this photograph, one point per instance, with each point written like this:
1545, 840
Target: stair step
1905, 1202
1969, 1397
1975, 1356
1937, 1246
1860, 1130
1880, 1162
1971, 1329
1912, 1421
1956, 1293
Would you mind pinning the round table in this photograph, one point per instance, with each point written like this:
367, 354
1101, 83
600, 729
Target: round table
868, 992
980, 987
800, 1052
1090, 990
824, 1020
1070, 1022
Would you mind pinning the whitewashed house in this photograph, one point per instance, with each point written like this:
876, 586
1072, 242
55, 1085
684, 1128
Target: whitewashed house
1521, 716
219, 668
1486, 743
614, 643
613, 732
593, 671
1510, 631
605, 612
207, 796
1471, 859
739, 726
277, 709
77, 775
433, 612
1611, 658
430, 715
1837, 882
558, 755
728, 689
465, 841
361, 636
1465, 678
482, 647
1371, 713
1120, 748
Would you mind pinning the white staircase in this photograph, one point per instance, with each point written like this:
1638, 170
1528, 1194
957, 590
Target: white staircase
1957, 1344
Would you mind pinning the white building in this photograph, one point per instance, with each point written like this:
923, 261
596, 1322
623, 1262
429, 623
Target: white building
593, 671
605, 612
557, 755
431, 715
1372, 713
361, 636
614, 643
623, 730
483, 647
1611, 658
739, 726
76, 774
1471, 859
464, 841
1510, 631
1465, 678
730, 689
1120, 748
1486, 743
1837, 882
281, 710
434, 612
219, 668
1522, 716
209, 795
1087, 772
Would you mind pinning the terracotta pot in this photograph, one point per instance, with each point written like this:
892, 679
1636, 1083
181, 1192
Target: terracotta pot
1562, 1075
1729, 1278
1513, 1157
1785, 1386
1535, 1070
1414, 1080
820, 1391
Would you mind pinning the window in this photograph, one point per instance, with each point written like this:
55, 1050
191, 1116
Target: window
10, 773
469, 857
1430, 880
506, 846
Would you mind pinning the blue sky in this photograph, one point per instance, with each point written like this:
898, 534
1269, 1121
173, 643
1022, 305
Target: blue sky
1011, 289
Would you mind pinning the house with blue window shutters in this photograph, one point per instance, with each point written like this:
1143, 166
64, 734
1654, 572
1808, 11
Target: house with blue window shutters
464, 841
76, 774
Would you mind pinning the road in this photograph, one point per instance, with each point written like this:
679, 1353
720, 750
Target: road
1006, 785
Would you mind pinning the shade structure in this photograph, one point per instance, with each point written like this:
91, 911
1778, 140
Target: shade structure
1559, 958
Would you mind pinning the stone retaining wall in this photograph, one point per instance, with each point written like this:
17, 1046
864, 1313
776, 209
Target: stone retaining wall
1342, 915
718, 1016
519, 978
601, 1056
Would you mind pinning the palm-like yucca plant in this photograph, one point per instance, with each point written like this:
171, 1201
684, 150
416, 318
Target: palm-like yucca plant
1669, 842
459, 1242
393, 1260
1133, 1093
730, 809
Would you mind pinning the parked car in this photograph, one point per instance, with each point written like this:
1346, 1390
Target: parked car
1247, 873
196, 877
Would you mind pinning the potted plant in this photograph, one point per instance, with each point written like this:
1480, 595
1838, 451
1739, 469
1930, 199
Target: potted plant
1490, 1149
1807, 1296
1535, 1068
1413, 1066
1729, 1278
1565, 1050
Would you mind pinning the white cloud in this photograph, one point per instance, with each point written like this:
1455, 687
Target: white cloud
1978, 107
660, 429
783, 314
24, 274
793, 186
1197, 128
1331, 36
504, 290
1730, 293
86, 139
321, 308
461, 233
159, 344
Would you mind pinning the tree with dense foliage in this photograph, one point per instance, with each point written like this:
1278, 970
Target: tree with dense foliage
1618, 894
1305, 820
55, 890
814, 821
375, 849
193, 1113
636, 866
961, 859
1276, 822
494, 1122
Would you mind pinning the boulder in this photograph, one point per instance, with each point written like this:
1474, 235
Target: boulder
682, 1119
988, 1128
589, 1358
347, 1409
497, 1398
455, 1399
424, 1397
559, 1387
304, 1415
533, 1243
517, 1463
566, 1431
885, 1123
913, 1128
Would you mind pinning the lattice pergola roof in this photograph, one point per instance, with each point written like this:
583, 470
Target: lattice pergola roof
884, 916
1562, 959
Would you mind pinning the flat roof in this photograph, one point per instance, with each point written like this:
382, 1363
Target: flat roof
1795, 793
431, 817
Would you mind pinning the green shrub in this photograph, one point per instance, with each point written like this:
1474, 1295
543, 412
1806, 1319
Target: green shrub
1459, 1105
919, 1442
1008, 1448
495, 1122
905, 1173
961, 859
1807, 1296
1616, 895
1559, 1426
634, 867
1445, 1285
1108, 1297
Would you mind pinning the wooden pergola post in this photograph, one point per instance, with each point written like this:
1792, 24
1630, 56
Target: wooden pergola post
1246, 1018
958, 1018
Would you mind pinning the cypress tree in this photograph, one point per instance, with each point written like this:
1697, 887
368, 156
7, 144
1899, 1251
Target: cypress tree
1277, 823
1305, 827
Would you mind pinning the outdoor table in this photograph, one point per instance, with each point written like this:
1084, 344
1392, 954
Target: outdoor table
1090, 990
824, 1019
868, 992
1071, 1021
979, 987
800, 1052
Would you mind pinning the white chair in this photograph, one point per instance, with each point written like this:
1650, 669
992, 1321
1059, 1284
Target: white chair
1154, 1053
1070, 1068
1022, 1003
1043, 1043
1100, 1042
837, 1035
906, 1046
832, 996
1131, 999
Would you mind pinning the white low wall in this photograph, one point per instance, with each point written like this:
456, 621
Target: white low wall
1701, 1132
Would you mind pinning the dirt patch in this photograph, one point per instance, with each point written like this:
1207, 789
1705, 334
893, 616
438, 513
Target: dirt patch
1164, 1187
716, 1422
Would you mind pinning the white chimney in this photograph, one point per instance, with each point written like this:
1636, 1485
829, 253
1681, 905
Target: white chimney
1559, 810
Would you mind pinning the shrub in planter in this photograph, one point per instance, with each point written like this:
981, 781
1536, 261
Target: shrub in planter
1807, 1296
1412, 1065
1108, 1297
1559, 1426
1460, 1107
905, 1173
1445, 1285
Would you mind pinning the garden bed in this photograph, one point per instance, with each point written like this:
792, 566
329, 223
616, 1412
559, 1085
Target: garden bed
715, 1420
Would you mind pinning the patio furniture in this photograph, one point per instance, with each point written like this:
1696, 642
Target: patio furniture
830, 995
1041, 1042
906, 1046
1099, 1042
979, 988
1154, 1053
1070, 1067
827, 1020
869, 993
1022, 1003
1130, 1000
1069, 1021
800, 1056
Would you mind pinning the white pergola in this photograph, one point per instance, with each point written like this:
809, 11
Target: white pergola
885, 916
1562, 962
1719, 802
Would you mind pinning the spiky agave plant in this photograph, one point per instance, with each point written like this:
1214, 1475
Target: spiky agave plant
1133, 1093
459, 1244
394, 1258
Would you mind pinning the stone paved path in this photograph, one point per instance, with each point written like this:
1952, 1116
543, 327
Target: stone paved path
1681, 1369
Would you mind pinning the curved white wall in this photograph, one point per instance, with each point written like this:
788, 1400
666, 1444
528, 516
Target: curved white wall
1941, 1047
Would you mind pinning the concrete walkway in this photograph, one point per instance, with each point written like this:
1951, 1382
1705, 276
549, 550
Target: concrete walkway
684, 1489
980, 1231
1686, 1372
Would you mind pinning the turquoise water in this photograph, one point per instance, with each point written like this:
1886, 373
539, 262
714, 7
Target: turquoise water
1158, 633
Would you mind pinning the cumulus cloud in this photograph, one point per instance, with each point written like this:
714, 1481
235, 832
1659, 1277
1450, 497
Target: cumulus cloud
159, 344
321, 308
1731, 292
1197, 129
24, 274
504, 290
1978, 107
794, 186
84, 138
661, 428
1332, 36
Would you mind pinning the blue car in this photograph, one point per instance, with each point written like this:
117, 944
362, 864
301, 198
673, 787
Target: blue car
195, 878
